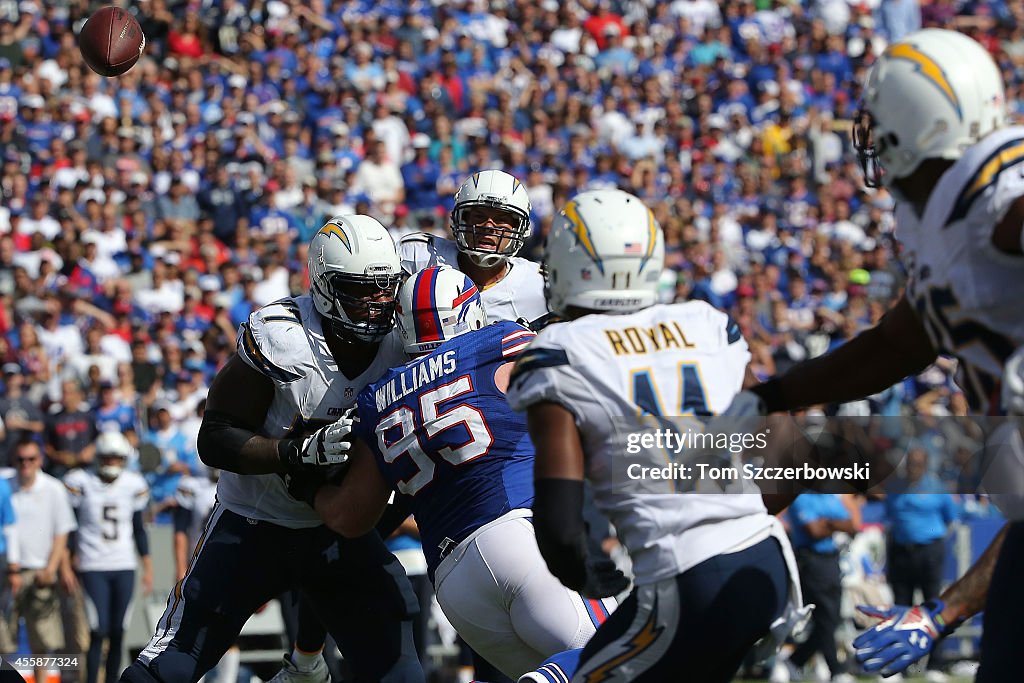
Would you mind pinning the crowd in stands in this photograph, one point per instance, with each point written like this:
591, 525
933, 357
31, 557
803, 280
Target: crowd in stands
144, 216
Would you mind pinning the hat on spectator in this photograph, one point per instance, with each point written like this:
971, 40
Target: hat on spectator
421, 141
11, 369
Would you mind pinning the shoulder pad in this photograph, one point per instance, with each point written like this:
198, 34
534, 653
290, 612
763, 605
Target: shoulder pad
424, 237
989, 177
273, 341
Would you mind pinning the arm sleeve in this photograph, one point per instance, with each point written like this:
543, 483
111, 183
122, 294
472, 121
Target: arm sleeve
182, 519
139, 534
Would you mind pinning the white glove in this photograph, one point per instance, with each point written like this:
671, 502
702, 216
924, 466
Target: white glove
1012, 397
328, 445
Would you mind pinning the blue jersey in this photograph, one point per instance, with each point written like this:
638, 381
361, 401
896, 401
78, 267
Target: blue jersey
446, 439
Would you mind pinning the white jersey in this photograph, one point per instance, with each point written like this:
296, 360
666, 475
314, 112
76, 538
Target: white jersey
197, 495
106, 537
520, 294
673, 359
967, 292
285, 342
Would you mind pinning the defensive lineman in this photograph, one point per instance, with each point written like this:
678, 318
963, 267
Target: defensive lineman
439, 431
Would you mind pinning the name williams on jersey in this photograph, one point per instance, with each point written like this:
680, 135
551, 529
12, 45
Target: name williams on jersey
418, 375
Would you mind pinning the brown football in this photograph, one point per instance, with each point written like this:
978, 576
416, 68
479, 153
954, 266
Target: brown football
111, 41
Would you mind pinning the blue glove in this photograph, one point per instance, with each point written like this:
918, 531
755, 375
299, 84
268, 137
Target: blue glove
904, 636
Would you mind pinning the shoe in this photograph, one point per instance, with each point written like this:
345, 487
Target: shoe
780, 673
897, 678
844, 678
785, 671
290, 673
935, 676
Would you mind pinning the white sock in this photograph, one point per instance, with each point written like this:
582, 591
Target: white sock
305, 661
228, 666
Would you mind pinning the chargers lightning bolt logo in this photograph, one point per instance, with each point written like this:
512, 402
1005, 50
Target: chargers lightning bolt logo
928, 68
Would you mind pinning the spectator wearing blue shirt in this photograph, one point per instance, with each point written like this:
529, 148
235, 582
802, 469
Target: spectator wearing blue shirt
8, 544
919, 511
420, 177
813, 518
178, 457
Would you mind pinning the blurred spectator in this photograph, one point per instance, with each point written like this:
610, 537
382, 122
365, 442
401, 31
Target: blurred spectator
21, 416
43, 521
177, 456
70, 431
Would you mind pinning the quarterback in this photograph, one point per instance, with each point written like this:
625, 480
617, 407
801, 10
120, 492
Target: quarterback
491, 223
932, 131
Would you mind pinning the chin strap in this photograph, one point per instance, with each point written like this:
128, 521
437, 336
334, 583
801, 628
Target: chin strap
486, 260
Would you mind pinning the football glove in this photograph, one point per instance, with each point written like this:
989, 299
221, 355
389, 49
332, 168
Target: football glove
905, 635
328, 445
303, 481
604, 579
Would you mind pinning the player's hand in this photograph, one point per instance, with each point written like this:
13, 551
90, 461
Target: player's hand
604, 579
303, 481
1012, 397
326, 446
147, 582
904, 635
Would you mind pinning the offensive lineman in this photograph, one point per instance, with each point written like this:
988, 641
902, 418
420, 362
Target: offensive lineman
439, 431
713, 572
109, 502
301, 362
932, 131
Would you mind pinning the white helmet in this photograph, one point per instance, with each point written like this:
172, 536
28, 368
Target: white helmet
929, 96
355, 253
112, 445
435, 305
605, 252
491, 190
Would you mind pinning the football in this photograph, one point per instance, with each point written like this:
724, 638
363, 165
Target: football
111, 41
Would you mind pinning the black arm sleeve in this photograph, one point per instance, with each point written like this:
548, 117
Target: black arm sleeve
227, 445
140, 534
394, 514
182, 519
561, 533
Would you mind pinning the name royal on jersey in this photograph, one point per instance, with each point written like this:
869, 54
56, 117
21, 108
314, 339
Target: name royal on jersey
417, 376
641, 340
